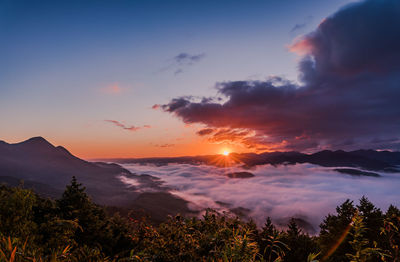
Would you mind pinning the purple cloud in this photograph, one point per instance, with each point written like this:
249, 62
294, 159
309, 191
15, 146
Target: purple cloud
185, 58
182, 60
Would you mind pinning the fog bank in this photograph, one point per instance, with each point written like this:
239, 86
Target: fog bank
304, 191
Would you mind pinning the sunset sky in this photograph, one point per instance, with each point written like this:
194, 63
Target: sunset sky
167, 78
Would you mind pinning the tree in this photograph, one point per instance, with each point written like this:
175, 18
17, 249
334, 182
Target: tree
372, 220
333, 238
17, 212
363, 251
269, 228
75, 205
391, 232
300, 244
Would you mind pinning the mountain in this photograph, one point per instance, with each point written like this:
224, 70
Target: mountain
48, 169
365, 159
37, 161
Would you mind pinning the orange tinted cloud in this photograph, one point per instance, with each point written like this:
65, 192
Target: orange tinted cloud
301, 46
113, 89
164, 145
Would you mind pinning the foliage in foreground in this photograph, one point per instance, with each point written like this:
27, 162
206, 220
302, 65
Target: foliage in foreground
73, 228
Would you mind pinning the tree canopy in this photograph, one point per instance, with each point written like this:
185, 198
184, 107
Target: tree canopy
73, 228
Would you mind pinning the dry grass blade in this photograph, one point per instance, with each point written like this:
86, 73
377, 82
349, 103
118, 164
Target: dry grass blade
24, 246
65, 250
12, 257
9, 244
2, 254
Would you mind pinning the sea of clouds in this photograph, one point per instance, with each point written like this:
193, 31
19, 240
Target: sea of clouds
304, 191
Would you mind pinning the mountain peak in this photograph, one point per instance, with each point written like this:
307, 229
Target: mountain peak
36, 142
36, 139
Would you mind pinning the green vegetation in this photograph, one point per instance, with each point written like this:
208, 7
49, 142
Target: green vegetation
73, 228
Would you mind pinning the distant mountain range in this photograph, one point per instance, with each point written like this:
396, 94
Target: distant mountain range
385, 161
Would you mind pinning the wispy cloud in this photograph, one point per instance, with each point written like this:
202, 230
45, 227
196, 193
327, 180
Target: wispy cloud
205, 131
178, 71
112, 89
188, 59
125, 127
178, 63
164, 145
299, 27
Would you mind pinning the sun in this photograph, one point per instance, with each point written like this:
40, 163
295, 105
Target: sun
225, 153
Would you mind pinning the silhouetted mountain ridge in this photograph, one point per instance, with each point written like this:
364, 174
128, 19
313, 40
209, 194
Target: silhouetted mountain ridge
366, 159
48, 169
38, 160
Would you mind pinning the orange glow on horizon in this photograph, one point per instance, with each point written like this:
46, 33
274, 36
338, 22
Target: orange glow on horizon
94, 146
122, 148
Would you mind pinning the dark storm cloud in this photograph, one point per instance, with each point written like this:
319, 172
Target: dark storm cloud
349, 95
361, 38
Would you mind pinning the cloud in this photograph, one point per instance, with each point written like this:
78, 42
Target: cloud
361, 38
129, 128
304, 190
178, 71
297, 27
112, 89
181, 61
205, 131
229, 135
188, 59
347, 96
301, 26
164, 145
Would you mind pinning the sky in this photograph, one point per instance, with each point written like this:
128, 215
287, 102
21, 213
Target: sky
168, 78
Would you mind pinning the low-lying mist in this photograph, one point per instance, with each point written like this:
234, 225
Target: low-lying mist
303, 191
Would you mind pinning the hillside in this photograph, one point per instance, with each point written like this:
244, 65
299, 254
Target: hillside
47, 169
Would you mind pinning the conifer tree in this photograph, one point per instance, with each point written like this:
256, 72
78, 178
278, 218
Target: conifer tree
76, 205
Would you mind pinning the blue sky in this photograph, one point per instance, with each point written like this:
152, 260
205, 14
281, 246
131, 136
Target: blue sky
60, 60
